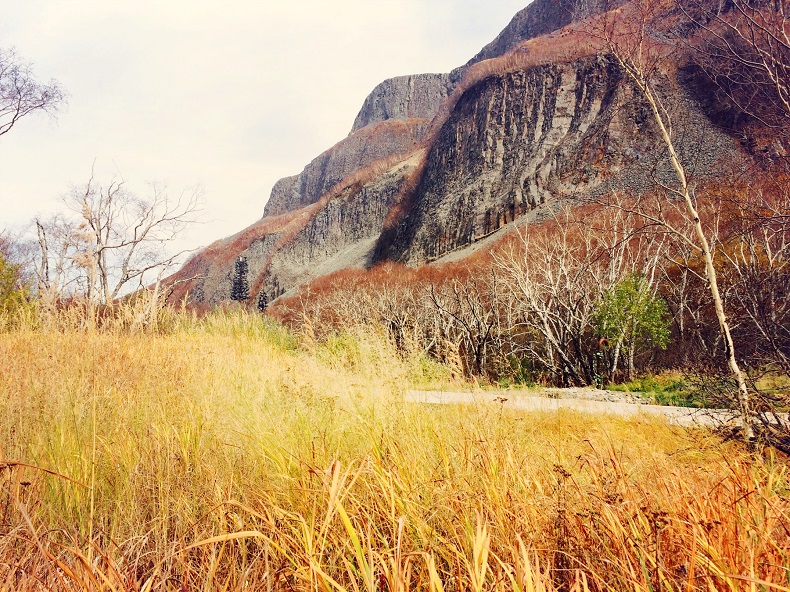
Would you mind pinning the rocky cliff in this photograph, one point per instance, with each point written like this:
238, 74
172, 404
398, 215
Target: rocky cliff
436, 162
379, 140
340, 230
541, 17
405, 97
415, 100
512, 143
519, 140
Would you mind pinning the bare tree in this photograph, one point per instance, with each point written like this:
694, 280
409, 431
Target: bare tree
21, 94
114, 241
59, 244
468, 308
555, 274
547, 273
13, 288
633, 38
744, 48
756, 249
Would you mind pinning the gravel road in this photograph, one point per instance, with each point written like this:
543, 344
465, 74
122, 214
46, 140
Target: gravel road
585, 400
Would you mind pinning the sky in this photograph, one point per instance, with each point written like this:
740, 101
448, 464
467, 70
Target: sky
225, 95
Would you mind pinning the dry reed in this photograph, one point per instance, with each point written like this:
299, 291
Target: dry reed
222, 455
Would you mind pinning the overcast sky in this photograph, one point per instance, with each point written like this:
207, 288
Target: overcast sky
231, 95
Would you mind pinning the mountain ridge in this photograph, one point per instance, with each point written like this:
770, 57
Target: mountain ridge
435, 162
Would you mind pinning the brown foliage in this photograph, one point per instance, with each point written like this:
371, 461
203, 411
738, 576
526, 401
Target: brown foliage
482, 305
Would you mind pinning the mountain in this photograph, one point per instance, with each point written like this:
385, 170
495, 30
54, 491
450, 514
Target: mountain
435, 163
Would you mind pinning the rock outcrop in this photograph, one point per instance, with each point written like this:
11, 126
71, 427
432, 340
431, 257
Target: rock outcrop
405, 97
540, 18
512, 143
526, 138
414, 100
341, 230
436, 162
380, 140
342, 233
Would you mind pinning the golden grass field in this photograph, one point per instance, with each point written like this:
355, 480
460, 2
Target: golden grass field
226, 454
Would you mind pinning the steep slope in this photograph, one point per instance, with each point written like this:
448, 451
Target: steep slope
541, 17
520, 139
436, 162
512, 143
379, 140
340, 230
413, 100
342, 233
405, 97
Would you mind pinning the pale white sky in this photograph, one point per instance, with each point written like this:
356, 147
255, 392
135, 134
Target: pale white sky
231, 94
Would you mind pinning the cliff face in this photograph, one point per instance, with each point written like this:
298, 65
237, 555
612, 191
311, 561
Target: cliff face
540, 18
414, 100
393, 121
526, 138
342, 233
436, 162
338, 231
405, 97
377, 141
511, 144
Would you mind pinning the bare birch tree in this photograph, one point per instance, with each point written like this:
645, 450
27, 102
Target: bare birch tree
468, 306
59, 244
630, 37
554, 275
555, 290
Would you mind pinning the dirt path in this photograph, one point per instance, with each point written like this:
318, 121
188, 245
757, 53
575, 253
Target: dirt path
585, 400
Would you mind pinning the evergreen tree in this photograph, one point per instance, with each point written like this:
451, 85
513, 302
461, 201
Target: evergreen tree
240, 290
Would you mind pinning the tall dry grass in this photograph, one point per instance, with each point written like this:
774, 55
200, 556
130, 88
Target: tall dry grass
225, 454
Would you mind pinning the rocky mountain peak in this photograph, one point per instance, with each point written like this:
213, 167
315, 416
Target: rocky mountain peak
416, 96
435, 163
540, 18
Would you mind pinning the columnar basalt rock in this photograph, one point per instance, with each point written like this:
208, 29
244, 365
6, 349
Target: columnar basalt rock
380, 140
342, 233
413, 100
512, 143
437, 162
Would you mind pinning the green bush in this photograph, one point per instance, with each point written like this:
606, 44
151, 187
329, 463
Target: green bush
632, 318
14, 294
667, 389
